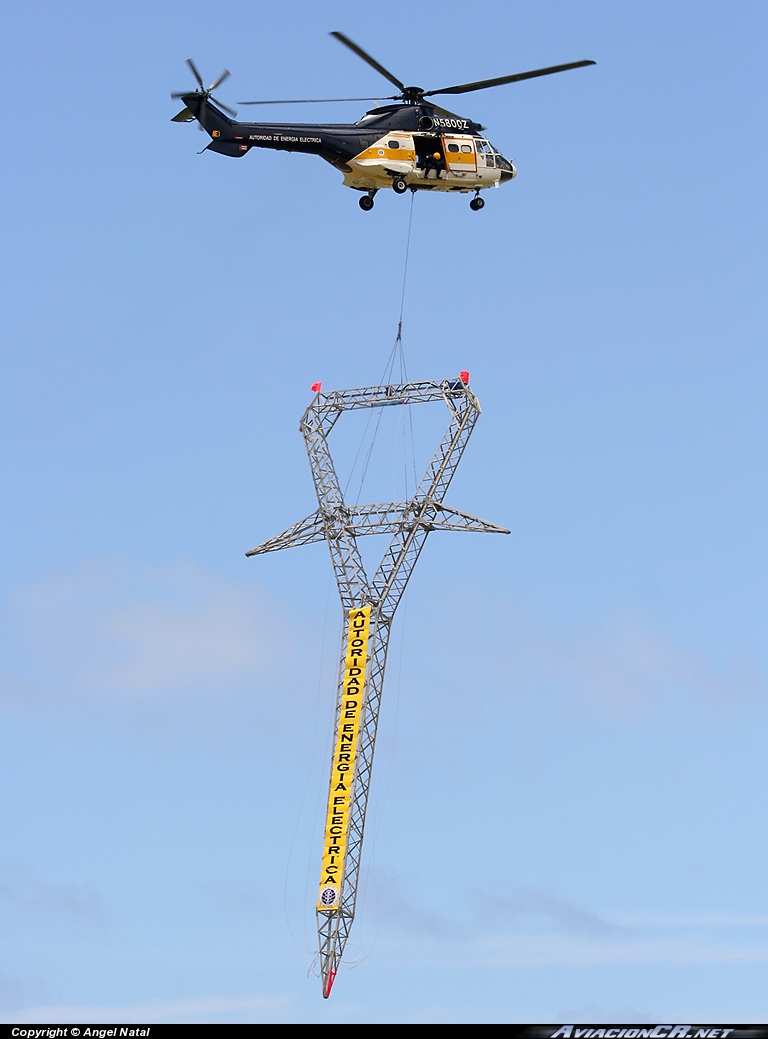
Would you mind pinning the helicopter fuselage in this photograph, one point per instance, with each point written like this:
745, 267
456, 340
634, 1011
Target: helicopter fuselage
406, 146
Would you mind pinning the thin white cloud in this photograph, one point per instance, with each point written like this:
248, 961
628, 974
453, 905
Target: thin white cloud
531, 907
184, 1011
475, 946
694, 920
619, 665
538, 928
566, 950
23, 891
626, 663
112, 630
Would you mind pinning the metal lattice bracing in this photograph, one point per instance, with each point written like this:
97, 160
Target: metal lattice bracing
409, 523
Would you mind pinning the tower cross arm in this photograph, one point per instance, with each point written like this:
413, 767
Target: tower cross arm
446, 518
391, 517
305, 532
386, 518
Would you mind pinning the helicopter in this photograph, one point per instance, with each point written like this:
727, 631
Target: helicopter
410, 145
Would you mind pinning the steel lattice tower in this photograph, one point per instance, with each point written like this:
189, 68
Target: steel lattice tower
370, 605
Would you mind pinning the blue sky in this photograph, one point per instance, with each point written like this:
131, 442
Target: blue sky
568, 818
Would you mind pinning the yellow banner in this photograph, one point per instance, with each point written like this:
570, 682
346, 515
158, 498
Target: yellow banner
345, 752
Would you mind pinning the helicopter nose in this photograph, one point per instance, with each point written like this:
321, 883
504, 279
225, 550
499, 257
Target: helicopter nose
508, 174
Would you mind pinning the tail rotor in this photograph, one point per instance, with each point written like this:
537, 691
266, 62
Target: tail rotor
185, 116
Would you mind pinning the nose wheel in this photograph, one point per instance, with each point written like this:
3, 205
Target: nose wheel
477, 203
366, 202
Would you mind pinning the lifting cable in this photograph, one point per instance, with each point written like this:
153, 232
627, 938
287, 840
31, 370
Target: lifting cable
397, 350
396, 357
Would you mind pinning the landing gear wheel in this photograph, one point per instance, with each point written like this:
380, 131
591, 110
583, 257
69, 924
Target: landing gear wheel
477, 203
399, 185
366, 203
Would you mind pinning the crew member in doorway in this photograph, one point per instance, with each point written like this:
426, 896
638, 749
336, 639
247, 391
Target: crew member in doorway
433, 162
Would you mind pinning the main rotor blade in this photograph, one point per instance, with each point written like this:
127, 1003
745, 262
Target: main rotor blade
316, 100
195, 73
366, 57
220, 80
481, 84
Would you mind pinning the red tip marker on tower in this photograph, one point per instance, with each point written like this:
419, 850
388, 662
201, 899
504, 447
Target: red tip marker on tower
316, 387
329, 983
464, 376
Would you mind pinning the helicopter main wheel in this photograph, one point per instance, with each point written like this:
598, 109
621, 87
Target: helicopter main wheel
477, 203
399, 186
366, 203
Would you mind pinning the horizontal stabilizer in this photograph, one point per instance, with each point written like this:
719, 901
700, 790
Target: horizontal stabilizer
227, 148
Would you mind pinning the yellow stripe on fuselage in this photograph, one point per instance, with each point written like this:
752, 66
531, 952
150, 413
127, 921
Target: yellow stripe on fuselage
383, 155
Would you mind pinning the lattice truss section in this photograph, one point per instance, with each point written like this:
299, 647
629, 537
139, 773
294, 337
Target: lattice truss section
340, 525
